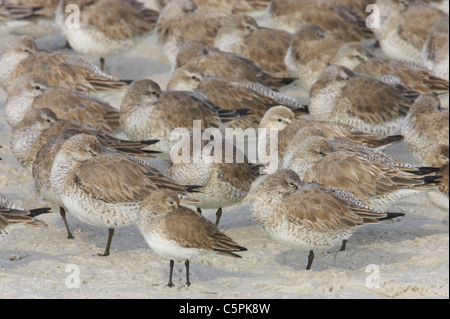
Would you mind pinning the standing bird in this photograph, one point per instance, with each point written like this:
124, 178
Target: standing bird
215, 62
32, 91
331, 17
360, 100
225, 181
21, 56
233, 94
437, 156
183, 20
104, 187
282, 120
41, 125
309, 215
310, 52
375, 183
148, 112
435, 52
105, 27
265, 46
426, 125
35, 18
414, 76
178, 233
403, 28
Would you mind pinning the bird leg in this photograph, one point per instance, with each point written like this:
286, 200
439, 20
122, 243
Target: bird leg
102, 64
218, 216
108, 244
344, 245
62, 212
186, 263
310, 259
170, 283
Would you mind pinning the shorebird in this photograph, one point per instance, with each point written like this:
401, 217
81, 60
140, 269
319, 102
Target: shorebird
9, 10
310, 52
21, 56
147, 112
437, 156
375, 183
49, 143
265, 46
439, 4
233, 94
235, 6
13, 216
415, 77
215, 62
309, 215
425, 125
28, 17
179, 233
182, 20
351, 146
360, 100
359, 7
32, 91
41, 125
104, 187
224, 181
105, 27
404, 28
328, 15
283, 120
435, 52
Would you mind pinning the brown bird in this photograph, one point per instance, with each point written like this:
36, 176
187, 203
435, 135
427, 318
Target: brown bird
214, 62
21, 56
179, 233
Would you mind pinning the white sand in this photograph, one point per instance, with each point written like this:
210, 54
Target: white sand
411, 253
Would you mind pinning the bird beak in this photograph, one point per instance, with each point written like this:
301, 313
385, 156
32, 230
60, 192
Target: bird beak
188, 201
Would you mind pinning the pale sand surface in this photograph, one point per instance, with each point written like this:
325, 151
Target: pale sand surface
411, 253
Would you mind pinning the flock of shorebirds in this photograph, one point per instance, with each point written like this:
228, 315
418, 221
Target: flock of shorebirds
227, 71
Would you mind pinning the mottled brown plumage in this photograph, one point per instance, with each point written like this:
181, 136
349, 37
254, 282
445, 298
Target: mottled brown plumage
374, 183
214, 62
415, 77
308, 215
360, 100
425, 125
177, 232
232, 94
328, 15
32, 91
183, 20
12, 215
41, 125
265, 46
310, 52
56, 68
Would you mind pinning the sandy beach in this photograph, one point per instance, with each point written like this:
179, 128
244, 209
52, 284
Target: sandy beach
404, 258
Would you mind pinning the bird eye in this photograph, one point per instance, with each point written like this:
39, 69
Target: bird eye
280, 120
37, 87
47, 120
321, 153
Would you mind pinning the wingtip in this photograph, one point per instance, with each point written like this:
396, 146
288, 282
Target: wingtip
39, 211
